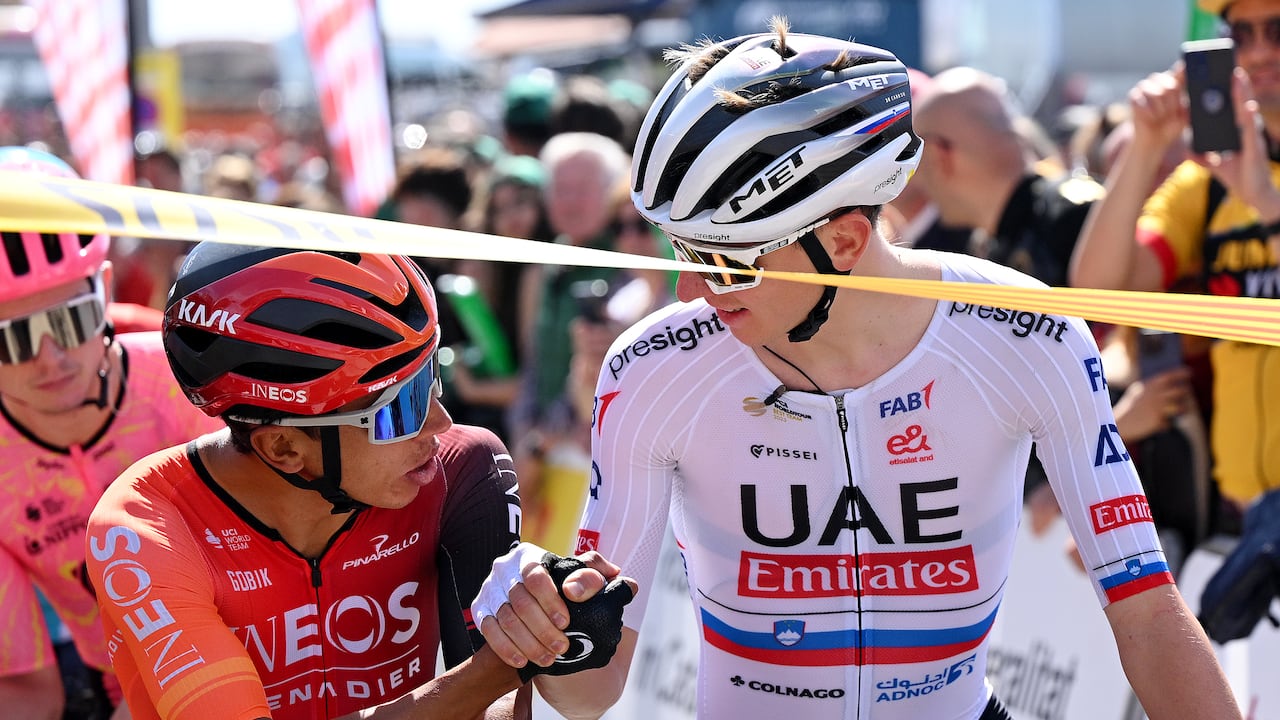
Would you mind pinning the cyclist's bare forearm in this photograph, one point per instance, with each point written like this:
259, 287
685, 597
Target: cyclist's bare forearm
462, 693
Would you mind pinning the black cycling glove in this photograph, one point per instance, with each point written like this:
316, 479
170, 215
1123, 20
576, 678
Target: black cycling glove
595, 626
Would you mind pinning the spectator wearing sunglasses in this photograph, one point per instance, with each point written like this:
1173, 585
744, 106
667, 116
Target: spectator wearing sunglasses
1216, 220
310, 558
842, 469
78, 405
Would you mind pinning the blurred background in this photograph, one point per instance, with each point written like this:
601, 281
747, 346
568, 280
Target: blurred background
209, 74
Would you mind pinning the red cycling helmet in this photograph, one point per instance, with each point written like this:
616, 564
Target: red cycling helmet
295, 332
34, 262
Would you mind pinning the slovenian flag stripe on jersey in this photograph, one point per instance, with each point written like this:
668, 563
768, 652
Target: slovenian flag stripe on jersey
847, 647
1134, 578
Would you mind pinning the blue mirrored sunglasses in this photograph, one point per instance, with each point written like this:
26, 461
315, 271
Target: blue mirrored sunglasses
399, 413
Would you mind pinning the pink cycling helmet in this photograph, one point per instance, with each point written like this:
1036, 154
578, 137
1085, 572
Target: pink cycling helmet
33, 261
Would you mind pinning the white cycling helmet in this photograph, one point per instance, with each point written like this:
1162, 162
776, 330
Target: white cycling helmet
827, 127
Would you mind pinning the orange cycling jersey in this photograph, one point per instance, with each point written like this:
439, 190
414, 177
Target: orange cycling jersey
47, 493
209, 613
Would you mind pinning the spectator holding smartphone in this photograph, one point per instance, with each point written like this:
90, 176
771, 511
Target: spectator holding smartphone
1216, 217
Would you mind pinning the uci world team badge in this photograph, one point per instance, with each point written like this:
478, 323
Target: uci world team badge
788, 632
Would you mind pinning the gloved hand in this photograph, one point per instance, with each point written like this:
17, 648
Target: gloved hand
595, 626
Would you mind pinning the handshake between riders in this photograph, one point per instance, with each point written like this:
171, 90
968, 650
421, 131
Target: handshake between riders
584, 635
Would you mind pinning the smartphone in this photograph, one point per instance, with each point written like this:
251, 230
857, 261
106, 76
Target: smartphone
1208, 65
591, 298
1158, 351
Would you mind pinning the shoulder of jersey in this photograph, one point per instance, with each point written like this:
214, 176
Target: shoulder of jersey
146, 356
684, 329
967, 268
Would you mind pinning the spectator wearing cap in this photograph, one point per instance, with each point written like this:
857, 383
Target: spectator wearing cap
526, 112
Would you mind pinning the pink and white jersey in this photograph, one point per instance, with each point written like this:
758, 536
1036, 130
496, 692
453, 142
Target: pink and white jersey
846, 553
47, 493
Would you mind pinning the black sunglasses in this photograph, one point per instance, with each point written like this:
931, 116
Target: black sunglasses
1245, 33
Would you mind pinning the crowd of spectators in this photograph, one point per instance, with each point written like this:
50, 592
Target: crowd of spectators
522, 343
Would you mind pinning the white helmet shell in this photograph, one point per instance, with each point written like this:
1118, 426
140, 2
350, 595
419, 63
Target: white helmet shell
841, 137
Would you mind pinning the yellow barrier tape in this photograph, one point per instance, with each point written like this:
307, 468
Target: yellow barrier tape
47, 204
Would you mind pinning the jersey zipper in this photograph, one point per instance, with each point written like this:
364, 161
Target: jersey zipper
842, 419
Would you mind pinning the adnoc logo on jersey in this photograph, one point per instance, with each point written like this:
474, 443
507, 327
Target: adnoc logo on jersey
900, 688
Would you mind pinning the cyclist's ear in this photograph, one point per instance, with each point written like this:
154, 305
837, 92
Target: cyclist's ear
287, 449
846, 238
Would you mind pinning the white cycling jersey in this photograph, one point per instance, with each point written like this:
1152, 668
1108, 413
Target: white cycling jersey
846, 553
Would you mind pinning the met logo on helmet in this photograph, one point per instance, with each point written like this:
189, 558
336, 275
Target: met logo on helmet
197, 313
775, 178
875, 82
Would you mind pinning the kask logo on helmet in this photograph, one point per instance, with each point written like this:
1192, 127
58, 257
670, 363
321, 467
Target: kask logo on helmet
196, 313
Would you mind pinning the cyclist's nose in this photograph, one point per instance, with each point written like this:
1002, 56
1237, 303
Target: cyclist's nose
691, 286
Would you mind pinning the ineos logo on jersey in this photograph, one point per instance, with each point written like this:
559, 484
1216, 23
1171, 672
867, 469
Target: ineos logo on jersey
580, 648
198, 314
1024, 323
768, 452
907, 403
683, 338
126, 583
353, 624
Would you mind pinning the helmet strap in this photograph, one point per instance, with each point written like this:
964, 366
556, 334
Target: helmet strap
818, 315
104, 371
330, 481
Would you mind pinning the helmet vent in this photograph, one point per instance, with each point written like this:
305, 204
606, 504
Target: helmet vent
330, 324
272, 372
386, 368
16, 252
410, 312
52, 247
86, 241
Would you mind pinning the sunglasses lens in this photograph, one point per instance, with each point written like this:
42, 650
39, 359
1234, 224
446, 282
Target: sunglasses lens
1245, 33
406, 414
1271, 30
69, 325
714, 259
